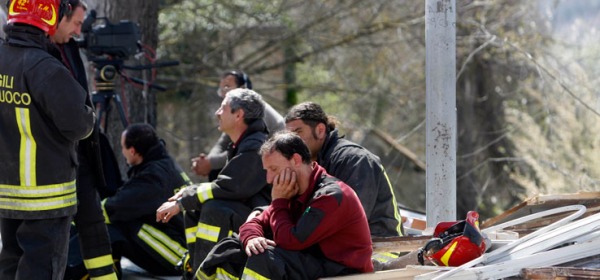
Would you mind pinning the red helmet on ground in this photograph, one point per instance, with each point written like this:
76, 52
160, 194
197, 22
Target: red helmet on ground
43, 14
455, 243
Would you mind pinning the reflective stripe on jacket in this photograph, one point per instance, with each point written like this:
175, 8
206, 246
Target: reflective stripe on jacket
42, 117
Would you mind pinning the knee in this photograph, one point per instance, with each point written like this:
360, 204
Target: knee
213, 206
220, 212
260, 260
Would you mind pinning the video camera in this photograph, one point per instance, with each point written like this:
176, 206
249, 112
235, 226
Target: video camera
119, 40
108, 46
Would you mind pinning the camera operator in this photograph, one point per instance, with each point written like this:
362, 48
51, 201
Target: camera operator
94, 242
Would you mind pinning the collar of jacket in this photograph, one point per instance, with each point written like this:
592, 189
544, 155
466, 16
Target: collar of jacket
315, 179
330, 140
26, 36
257, 126
156, 152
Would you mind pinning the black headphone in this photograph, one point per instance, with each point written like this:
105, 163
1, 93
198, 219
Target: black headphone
66, 8
241, 79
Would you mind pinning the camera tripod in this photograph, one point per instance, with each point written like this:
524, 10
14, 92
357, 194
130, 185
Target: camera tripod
105, 76
107, 71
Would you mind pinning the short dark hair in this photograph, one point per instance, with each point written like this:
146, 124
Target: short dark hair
241, 79
311, 114
287, 144
74, 4
141, 136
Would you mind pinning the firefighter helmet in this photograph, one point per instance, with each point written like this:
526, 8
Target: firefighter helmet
43, 14
455, 243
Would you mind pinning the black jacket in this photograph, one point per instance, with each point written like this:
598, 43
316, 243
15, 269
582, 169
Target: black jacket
42, 117
132, 210
362, 170
242, 178
150, 184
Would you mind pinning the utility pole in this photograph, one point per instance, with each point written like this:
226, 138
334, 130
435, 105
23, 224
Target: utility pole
441, 139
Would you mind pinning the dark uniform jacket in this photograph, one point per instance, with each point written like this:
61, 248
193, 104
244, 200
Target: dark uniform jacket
42, 117
150, 184
362, 171
328, 216
243, 177
133, 208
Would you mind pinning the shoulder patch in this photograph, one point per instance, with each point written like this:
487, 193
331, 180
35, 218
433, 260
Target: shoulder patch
329, 187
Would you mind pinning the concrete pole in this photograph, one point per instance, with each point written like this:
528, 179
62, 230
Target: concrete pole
440, 38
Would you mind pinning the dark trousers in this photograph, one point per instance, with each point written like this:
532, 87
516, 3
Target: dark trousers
228, 260
91, 229
216, 220
34, 249
277, 263
125, 243
131, 247
227, 257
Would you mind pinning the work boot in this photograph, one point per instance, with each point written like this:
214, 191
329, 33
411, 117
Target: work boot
185, 267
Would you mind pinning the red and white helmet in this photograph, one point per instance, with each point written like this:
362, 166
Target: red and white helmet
455, 243
43, 14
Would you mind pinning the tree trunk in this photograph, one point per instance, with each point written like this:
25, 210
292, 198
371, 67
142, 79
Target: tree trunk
141, 102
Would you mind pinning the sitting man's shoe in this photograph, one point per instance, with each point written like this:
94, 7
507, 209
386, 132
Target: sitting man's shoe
185, 267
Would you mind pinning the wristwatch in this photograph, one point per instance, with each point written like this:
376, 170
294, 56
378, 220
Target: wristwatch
180, 205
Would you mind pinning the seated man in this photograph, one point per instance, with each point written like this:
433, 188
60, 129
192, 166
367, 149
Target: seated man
215, 210
210, 165
130, 213
315, 226
349, 162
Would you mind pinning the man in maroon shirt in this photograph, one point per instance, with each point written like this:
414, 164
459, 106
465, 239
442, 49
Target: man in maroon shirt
315, 226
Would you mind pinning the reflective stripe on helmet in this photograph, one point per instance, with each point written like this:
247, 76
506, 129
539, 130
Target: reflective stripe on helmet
445, 259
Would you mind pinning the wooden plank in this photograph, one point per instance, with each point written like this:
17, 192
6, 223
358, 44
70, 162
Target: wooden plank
560, 273
397, 274
399, 244
504, 216
581, 196
544, 202
538, 223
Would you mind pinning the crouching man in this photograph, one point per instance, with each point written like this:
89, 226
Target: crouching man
315, 226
